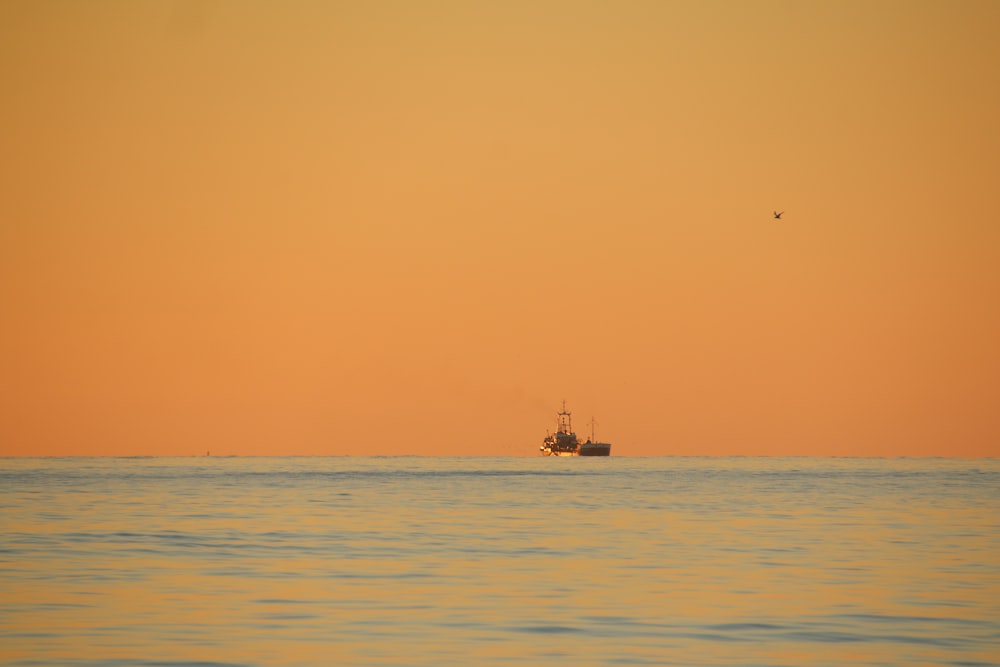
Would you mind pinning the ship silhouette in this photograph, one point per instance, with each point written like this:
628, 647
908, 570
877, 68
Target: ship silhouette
565, 443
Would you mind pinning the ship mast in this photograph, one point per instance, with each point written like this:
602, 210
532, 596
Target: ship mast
565, 423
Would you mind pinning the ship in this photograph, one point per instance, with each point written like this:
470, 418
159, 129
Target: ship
565, 443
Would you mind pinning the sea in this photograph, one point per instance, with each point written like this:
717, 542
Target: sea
412, 561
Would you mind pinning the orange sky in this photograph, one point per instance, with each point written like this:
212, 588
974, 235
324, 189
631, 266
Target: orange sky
415, 227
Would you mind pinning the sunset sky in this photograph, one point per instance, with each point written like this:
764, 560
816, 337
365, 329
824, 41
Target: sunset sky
416, 227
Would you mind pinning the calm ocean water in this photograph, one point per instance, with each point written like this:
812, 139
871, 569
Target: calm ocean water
499, 561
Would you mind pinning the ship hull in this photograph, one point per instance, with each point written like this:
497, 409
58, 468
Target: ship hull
586, 449
595, 449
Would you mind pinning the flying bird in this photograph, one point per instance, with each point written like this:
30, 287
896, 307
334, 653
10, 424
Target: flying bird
777, 216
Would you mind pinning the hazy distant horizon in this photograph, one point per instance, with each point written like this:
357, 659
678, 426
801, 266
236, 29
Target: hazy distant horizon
482, 456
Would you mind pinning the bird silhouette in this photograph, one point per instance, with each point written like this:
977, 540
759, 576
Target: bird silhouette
777, 216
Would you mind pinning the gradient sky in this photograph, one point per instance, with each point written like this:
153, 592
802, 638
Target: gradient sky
415, 227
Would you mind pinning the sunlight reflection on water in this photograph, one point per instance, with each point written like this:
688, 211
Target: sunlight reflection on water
427, 561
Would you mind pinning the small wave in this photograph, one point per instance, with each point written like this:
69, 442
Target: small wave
548, 629
185, 663
739, 627
838, 637
161, 663
887, 618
